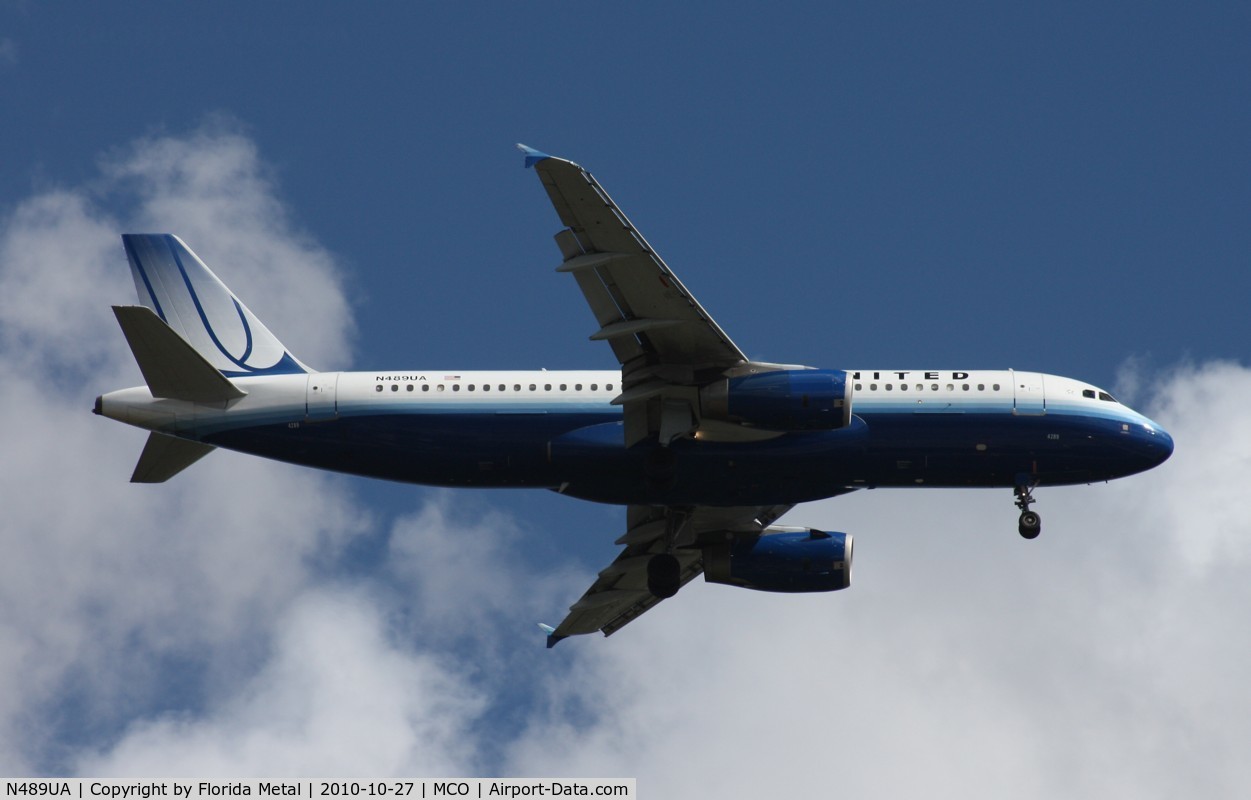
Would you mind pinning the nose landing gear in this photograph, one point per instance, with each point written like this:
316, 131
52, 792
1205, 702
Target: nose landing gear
1030, 523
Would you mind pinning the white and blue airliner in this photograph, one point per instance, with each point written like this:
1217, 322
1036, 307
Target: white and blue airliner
705, 448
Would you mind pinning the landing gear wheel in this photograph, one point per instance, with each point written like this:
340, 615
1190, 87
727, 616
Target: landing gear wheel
664, 575
1030, 524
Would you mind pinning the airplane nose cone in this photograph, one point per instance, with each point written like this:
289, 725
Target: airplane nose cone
1164, 445
1144, 445
1154, 444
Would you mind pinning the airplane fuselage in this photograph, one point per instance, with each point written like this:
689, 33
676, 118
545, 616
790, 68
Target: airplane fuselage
560, 430
704, 447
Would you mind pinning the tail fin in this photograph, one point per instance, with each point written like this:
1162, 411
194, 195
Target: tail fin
173, 282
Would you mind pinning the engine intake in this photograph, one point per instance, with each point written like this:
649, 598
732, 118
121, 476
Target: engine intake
782, 559
782, 400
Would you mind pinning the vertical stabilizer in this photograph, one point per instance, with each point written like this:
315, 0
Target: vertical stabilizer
173, 282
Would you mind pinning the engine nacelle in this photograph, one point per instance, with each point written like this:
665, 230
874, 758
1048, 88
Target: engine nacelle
782, 400
782, 559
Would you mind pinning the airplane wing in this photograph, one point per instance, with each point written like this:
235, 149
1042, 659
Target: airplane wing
665, 341
620, 594
668, 347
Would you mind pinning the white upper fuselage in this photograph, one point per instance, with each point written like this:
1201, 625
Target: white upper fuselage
298, 399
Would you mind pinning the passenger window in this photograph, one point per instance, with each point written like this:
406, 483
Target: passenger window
425, 387
408, 388
470, 387
395, 387
516, 387
577, 387
608, 387
934, 387
981, 387
533, 387
594, 387
379, 389
951, 387
965, 387
486, 387
564, 387
547, 387
455, 387
995, 387
872, 387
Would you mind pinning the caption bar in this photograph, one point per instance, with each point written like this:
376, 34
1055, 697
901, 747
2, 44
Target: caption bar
88, 789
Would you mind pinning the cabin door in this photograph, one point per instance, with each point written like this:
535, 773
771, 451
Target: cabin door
1030, 400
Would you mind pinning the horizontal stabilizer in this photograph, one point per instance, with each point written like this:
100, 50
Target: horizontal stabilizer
172, 367
164, 456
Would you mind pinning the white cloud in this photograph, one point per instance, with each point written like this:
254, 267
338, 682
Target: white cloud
337, 698
106, 587
58, 267
457, 570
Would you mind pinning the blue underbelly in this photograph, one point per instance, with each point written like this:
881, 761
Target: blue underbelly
583, 455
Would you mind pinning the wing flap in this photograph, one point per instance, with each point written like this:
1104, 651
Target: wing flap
607, 313
614, 330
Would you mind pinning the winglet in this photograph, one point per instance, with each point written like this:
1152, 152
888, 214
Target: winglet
532, 156
552, 638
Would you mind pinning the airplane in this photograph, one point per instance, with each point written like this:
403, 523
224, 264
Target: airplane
705, 447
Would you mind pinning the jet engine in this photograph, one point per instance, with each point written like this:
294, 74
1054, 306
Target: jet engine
782, 400
782, 559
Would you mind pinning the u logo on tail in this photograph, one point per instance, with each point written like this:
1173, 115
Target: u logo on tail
173, 282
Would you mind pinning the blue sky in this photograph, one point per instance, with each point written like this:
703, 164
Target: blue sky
1062, 188
1050, 172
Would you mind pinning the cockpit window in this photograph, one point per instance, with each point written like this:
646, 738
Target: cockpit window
1104, 396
